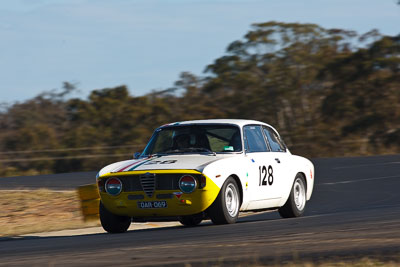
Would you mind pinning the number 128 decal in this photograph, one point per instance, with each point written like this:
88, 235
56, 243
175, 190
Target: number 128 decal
266, 175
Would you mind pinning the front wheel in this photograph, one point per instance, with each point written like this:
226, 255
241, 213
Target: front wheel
225, 208
191, 220
113, 223
296, 203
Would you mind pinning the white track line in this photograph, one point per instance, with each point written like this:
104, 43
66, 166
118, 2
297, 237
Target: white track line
362, 180
366, 165
100, 230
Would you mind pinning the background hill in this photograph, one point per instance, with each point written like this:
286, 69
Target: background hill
329, 92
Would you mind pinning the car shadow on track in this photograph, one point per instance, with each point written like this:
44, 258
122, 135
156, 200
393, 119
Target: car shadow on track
244, 218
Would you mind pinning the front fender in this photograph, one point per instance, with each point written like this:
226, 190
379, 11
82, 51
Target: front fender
220, 170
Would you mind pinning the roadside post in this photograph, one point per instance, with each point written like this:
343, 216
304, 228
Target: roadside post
90, 200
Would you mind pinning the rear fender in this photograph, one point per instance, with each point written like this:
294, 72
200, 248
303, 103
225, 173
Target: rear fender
306, 168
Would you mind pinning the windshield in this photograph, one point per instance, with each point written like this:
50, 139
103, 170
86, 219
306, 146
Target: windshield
207, 138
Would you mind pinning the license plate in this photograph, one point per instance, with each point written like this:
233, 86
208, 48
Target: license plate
152, 204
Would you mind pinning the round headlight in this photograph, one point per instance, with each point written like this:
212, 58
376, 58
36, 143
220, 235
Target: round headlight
113, 186
187, 184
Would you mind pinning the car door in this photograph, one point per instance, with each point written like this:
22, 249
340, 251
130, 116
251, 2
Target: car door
280, 163
262, 173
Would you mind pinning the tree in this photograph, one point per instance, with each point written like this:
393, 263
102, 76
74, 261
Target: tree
271, 75
364, 99
326, 90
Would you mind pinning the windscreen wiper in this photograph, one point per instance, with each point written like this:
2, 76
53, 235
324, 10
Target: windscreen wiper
189, 149
200, 149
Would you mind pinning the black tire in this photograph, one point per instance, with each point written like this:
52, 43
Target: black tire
296, 203
113, 223
221, 211
191, 220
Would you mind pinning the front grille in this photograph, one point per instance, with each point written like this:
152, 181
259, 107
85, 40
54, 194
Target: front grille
162, 181
135, 197
148, 182
164, 196
168, 181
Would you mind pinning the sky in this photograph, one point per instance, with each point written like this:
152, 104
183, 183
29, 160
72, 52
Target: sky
146, 44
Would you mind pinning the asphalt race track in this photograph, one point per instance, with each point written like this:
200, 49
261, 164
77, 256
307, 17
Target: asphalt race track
354, 212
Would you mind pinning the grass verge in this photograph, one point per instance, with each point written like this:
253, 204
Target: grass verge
356, 262
42, 210
348, 261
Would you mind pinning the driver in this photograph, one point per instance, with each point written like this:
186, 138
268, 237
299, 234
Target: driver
182, 141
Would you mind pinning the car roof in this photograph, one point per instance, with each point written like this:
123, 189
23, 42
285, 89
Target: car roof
239, 122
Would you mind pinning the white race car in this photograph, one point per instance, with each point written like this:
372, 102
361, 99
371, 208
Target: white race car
193, 170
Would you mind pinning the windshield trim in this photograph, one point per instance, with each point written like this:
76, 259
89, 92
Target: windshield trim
175, 125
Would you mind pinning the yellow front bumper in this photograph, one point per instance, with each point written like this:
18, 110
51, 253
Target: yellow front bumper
178, 205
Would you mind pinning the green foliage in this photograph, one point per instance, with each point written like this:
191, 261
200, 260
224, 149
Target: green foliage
364, 96
329, 92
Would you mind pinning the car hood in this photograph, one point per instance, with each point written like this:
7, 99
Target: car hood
188, 162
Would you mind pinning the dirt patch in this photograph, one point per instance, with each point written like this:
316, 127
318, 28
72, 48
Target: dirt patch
40, 210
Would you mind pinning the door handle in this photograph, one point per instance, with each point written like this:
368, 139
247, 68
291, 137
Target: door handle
277, 160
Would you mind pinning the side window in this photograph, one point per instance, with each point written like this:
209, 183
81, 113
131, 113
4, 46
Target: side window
274, 141
254, 139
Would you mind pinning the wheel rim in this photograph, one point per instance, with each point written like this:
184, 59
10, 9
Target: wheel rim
231, 200
299, 194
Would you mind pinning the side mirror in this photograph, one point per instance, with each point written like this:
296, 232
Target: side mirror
136, 155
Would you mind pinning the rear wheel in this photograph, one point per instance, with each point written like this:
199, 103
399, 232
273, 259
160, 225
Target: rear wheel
296, 203
191, 220
225, 208
113, 223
